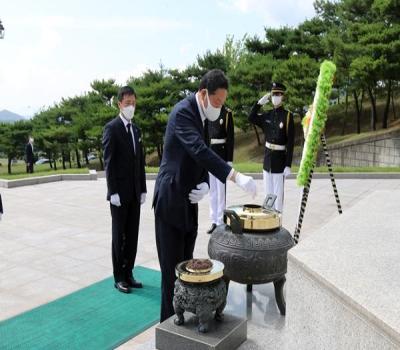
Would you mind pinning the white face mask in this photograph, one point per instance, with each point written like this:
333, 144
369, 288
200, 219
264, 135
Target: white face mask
128, 112
276, 100
210, 111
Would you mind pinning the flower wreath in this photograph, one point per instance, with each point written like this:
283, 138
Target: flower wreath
314, 121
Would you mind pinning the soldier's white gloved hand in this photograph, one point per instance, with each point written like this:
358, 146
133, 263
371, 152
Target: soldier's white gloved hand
263, 100
246, 183
143, 198
230, 164
286, 171
197, 194
114, 200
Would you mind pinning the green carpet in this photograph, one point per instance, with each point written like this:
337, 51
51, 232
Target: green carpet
95, 317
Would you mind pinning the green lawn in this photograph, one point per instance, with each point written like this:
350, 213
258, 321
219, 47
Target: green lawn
19, 170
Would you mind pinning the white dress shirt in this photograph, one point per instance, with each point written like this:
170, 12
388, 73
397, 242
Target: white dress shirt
200, 107
131, 131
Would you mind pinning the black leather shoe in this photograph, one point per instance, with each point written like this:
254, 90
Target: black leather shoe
133, 283
122, 286
211, 229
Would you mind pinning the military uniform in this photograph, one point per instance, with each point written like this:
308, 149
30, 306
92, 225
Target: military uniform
221, 134
278, 127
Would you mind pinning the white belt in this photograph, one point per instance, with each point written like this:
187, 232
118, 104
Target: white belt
217, 141
275, 147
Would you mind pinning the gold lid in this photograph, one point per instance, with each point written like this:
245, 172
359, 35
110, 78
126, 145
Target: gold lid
216, 272
256, 218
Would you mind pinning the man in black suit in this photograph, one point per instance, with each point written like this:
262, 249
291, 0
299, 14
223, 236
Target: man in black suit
126, 187
182, 180
1, 208
29, 157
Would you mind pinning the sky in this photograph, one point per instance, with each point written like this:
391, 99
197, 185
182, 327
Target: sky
55, 48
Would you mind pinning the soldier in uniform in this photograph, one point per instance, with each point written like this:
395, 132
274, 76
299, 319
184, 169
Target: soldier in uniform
278, 127
221, 134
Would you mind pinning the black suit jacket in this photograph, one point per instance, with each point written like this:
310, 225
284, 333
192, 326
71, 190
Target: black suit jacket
185, 163
29, 158
125, 172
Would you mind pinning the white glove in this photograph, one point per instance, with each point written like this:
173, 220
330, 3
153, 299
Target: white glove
286, 171
246, 183
263, 100
198, 193
114, 200
143, 198
230, 163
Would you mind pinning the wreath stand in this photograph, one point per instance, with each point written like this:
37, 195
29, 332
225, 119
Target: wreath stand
306, 191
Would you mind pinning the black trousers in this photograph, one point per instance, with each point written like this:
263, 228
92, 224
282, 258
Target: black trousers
173, 246
125, 229
29, 168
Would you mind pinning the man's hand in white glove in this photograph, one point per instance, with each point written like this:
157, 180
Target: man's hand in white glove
286, 171
263, 100
246, 183
198, 193
114, 200
143, 198
230, 164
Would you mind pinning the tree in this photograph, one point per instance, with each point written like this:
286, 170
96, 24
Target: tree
299, 73
158, 91
13, 138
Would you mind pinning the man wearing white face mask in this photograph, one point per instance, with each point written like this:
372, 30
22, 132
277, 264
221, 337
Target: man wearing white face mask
126, 187
278, 127
182, 180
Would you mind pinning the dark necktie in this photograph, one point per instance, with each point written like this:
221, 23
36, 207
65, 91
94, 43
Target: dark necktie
206, 133
130, 140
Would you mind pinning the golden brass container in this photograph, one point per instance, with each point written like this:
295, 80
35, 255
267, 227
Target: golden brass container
256, 218
216, 272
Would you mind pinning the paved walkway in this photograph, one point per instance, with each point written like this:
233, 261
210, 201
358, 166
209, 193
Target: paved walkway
55, 238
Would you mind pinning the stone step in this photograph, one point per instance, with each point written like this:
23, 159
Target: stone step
343, 281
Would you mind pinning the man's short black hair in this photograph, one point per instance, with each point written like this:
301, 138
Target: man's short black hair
213, 80
125, 91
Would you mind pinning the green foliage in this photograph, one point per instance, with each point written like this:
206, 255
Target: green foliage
248, 82
13, 138
298, 73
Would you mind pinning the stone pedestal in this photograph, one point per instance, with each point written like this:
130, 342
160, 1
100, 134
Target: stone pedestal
225, 335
